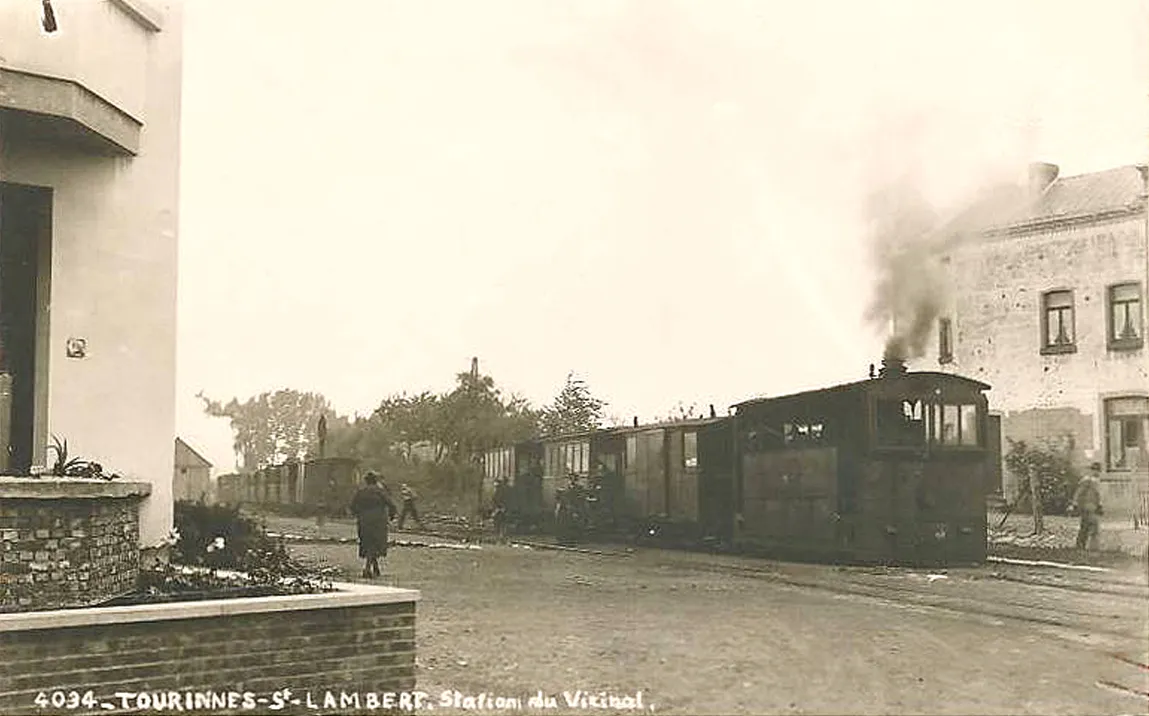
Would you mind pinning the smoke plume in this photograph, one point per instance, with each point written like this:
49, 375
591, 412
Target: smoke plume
910, 288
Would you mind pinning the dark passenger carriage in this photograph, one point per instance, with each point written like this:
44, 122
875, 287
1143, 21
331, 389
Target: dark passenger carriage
888, 470
521, 465
679, 473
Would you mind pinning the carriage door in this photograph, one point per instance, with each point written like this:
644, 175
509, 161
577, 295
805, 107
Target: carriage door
649, 477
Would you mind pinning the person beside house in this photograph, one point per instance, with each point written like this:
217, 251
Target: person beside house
1087, 502
409, 496
500, 507
373, 510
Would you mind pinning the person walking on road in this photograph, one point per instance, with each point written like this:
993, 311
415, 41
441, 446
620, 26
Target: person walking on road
373, 510
409, 508
1087, 502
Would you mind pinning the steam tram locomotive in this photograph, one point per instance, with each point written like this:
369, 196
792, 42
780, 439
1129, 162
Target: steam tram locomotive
893, 469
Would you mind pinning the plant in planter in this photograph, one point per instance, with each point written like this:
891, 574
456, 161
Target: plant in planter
75, 467
219, 553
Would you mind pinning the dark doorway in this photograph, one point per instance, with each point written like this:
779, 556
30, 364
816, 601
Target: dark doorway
25, 222
993, 455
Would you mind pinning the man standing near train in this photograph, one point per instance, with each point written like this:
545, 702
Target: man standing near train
408, 495
1087, 502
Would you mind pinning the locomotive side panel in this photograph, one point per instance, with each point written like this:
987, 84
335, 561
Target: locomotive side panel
922, 511
789, 498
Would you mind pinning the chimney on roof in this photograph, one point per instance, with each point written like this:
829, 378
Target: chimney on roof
636, 421
1041, 175
712, 413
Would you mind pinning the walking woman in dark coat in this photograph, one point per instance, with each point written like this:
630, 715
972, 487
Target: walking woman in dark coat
373, 510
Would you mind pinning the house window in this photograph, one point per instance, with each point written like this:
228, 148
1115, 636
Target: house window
1057, 326
690, 449
945, 341
1125, 330
1127, 422
631, 450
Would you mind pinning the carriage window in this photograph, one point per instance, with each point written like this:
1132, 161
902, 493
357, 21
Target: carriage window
575, 458
569, 459
802, 433
690, 449
901, 423
631, 449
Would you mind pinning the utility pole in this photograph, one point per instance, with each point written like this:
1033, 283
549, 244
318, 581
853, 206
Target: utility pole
1144, 169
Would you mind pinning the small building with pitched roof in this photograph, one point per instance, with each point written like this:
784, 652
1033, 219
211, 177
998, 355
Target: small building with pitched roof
192, 478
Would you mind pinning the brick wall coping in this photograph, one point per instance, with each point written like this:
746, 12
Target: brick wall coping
69, 488
347, 595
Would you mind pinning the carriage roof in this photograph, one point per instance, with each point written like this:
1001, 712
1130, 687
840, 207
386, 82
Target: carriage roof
630, 429
870, 384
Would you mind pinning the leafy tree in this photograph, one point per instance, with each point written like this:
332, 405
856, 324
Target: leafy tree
476, 417
369, 440
455, 428
574, 410
409, 421
272, 427
1046, 471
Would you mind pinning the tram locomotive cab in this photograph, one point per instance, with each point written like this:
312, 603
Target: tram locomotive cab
888, 470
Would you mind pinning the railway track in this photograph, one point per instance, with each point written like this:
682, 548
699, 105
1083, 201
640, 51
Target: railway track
1110, 620
1107, 615
1110, 608
1098, 607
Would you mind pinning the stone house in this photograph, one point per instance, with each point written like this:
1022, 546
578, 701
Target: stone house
1044, 301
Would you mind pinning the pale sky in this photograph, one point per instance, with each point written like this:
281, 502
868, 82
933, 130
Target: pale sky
663, 196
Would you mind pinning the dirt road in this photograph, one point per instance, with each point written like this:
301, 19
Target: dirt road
703, 634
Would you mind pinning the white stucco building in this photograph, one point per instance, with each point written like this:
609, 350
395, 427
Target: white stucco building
89, 185
1045, 303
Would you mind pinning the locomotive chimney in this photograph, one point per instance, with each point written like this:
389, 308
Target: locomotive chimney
712, 413
892, 366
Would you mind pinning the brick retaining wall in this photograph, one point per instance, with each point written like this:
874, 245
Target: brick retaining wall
359, 640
